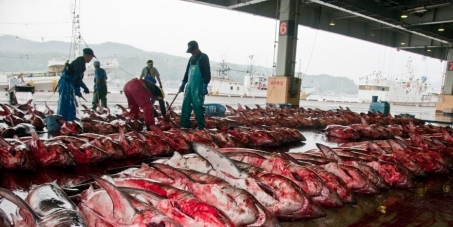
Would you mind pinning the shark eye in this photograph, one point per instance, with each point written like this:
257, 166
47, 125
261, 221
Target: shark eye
267, 190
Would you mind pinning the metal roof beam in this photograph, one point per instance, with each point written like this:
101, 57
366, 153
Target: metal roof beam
435, 15
378, 21
214, 3
246, 3
317, 17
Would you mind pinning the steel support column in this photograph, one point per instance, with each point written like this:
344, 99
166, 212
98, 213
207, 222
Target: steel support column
448, 82
287, 40
445, 101
284, 88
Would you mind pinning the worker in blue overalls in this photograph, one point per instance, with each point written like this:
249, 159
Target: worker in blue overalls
100, 86
70, 83
197, 78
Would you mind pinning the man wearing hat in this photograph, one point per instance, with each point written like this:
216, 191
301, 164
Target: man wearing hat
100, 86
197, 78
150, 73
70, 83
138, 94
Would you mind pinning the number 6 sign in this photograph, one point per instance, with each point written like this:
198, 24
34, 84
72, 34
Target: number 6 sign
283, 28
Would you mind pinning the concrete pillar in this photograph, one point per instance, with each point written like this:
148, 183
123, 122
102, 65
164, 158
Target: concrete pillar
448, 83
287, 40
284, 88
445, 101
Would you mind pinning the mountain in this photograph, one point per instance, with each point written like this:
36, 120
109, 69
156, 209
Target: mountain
19, 55
330, 85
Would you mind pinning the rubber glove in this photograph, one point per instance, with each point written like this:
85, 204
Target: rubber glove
183, 85
86, 91
95, 87
205, 89
77, 92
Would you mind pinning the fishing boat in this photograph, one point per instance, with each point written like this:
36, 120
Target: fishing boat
403, 90
254, 84
46, 81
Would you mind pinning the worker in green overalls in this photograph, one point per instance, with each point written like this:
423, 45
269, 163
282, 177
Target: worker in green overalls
197, 78
100, 86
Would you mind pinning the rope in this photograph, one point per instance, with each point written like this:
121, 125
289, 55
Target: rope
316, 37
312, 50
46, 99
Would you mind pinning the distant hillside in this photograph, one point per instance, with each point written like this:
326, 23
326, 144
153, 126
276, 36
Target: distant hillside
25, 55
331, 85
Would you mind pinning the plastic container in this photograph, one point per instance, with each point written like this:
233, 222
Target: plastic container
20, 94
214, 110
383, 107
374, 98
52, 123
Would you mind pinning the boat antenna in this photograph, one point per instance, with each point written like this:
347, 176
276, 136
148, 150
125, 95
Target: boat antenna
251, 64
75, 42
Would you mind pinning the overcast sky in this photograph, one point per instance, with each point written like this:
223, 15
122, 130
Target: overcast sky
167, 25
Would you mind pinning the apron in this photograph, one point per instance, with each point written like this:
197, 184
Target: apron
67, 102
193, 97
150, 78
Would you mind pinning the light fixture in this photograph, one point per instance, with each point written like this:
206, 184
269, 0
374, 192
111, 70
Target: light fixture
441, 29
404, 15
428, 50
403, 43
332, 23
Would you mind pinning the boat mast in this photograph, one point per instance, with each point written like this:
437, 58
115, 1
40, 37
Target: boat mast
223, 71
251, 65
76, 37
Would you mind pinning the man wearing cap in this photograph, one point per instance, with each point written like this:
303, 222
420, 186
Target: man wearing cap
150, 73
100, 86
138, 93
70, 83
197, 78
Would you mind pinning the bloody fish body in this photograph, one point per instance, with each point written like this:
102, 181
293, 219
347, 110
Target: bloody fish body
111, 207
16, 155
202, 213
277, 193
305, 178
343, 132
241, 207
49, 155
48, 206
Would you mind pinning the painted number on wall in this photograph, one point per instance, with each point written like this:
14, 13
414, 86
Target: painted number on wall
283, 28
277, 83
450, 66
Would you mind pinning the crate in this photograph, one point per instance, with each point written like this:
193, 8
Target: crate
20, 94
214, 110
406, 115
383, 107
24, 89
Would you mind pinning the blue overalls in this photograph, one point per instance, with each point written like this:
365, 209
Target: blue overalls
193, 97
67, 102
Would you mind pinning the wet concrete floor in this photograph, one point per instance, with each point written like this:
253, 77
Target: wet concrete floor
428, 205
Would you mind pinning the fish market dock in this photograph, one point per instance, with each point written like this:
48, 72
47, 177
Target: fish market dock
425, 113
